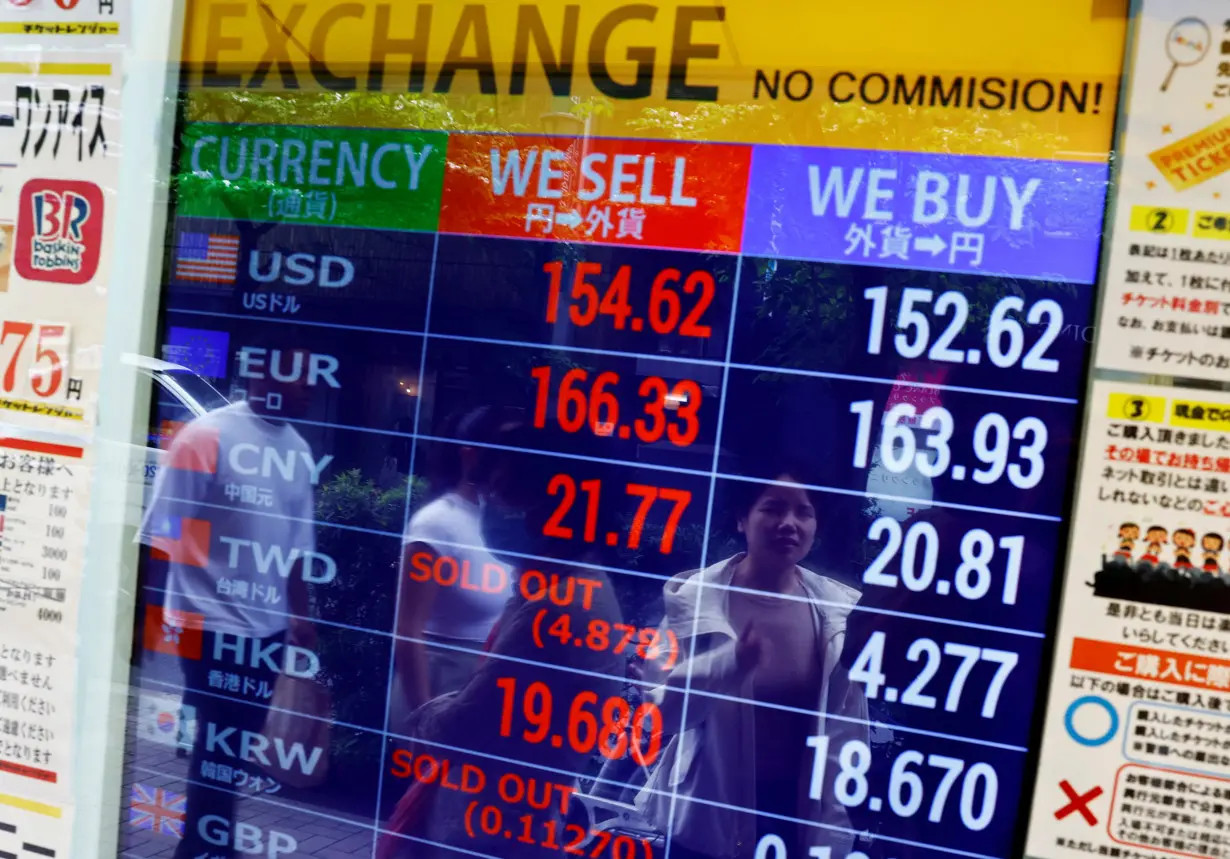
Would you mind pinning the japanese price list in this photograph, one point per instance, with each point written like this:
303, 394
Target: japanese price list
1166, 281
1141, 676
604, 496
1133, 752
59, 130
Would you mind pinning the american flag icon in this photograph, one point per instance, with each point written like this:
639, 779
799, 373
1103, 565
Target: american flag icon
159, 810
207, 257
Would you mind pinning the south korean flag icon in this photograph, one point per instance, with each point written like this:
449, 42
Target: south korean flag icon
163, 719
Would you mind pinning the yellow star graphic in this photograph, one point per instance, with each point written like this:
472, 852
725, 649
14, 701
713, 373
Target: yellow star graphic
1150, 184
1166, 129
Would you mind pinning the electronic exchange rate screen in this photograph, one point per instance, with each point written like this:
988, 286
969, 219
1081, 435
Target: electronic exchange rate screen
522, 495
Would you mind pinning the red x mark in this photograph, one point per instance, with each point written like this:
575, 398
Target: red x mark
1080, 802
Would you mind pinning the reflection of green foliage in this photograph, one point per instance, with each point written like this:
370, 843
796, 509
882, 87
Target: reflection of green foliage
704, 121
351, 499
365, 565
354, 109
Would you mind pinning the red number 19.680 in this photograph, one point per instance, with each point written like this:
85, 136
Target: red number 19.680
665, 312
613, 726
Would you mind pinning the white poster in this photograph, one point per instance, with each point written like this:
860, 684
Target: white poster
59, 157
1166, 308
1136, 749
59, 167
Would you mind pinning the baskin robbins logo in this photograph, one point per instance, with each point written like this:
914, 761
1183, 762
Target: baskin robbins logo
59, 231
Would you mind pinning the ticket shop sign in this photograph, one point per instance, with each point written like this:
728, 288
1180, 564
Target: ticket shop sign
1163, 312
1141, 683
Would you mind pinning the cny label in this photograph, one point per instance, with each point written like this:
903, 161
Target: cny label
312, 175
653, 194
1004, 216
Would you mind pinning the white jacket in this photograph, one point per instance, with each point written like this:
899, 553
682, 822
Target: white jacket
714, 755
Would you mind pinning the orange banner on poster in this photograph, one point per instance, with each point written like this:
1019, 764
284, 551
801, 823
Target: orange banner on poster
1144, 663
1196, 158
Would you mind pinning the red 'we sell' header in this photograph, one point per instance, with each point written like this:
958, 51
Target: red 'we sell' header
627, 192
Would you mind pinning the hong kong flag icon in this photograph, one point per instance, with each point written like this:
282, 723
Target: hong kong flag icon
176, 633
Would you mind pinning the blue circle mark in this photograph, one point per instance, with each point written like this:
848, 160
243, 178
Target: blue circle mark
1097, 702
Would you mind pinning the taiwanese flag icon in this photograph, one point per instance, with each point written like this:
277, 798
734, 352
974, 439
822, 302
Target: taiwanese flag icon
176, 633
180, 541
158, 810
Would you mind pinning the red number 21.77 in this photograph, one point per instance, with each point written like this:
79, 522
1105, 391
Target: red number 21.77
565, 486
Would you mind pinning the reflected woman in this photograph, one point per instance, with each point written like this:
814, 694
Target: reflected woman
454, 587
766, 630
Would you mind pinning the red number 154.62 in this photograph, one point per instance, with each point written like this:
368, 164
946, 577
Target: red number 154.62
665, 311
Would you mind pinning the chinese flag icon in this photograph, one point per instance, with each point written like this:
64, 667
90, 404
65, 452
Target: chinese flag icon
177, 633
195, 449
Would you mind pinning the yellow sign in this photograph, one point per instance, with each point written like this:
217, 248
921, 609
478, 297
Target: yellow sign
1212, 225
1134, 407
1034, 80
30, 805
66, 412
1155, 219
1196, 158
40, 68
1193, 414
77, 28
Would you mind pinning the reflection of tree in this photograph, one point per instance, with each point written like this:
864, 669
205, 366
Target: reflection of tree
366, 567
353, 109
905, 129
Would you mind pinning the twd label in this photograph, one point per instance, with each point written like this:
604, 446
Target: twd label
59, 231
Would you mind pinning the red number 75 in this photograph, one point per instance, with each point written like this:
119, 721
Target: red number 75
52, 377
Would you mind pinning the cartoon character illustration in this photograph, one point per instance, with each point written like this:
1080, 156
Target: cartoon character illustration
1155, 538
1129, 533
1184, 541
1212, 544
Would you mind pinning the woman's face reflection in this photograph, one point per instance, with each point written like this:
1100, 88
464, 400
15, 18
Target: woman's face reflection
781, 526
